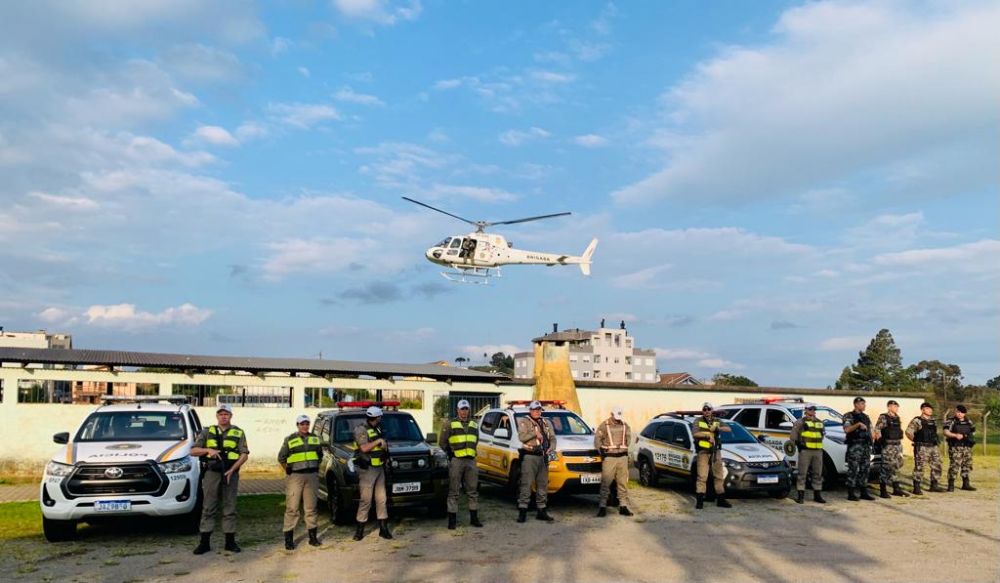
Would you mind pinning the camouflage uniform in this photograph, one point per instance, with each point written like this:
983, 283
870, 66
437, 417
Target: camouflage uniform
892, 452
924, 453
960, 451
859, 450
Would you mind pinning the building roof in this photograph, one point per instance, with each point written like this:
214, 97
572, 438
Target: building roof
676, 378
201, 363
572, 335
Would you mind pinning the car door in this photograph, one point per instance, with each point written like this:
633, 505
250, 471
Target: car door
774, 434
485, 449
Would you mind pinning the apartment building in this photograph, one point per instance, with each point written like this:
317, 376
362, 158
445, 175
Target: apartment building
605, 354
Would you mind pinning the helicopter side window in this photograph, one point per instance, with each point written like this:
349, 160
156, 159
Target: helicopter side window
456, 243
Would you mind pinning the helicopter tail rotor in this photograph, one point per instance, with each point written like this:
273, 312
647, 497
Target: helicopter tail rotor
585, 258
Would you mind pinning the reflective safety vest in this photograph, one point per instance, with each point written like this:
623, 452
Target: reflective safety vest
811, 436
230, 439
303, 453
703, 425
462, 438
377, 453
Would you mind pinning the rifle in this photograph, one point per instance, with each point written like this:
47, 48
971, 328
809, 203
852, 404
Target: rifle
387, 464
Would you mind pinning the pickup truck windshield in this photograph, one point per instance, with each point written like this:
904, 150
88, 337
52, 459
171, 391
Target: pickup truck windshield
564, 422
395, 427
133, 426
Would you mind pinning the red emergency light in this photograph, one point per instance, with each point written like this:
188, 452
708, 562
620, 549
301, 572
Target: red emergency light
516, 402
366, 404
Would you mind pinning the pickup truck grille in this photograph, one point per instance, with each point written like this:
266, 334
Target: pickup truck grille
581, 453
764, 465
104, 479
594, 467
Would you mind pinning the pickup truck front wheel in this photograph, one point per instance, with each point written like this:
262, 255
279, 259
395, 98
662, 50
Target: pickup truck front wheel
58, 530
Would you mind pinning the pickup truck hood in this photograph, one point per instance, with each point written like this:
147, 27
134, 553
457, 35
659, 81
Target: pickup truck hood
118, 452
574, 442
408, 448
749, 452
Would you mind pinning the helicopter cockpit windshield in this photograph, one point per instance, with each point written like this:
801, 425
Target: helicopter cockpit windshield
444, 243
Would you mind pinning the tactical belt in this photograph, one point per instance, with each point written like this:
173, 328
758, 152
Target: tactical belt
528, 452
307, 471
620, 454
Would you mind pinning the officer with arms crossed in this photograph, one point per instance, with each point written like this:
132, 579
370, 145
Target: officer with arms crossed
299, 456
959, 430
539, 441
857, 426
707, 443
612, 439
225, 446
922, 431
458, 439
889, 433
370, 460
807, 434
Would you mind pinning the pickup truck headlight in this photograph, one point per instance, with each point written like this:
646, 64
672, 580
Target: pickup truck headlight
733, 465
836, 439
440, 459
58, 470
177, 466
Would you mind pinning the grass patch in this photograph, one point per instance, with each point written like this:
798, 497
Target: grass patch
20, 520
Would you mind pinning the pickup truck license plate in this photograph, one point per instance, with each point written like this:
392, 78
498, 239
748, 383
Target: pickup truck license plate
406, 487
590, 478
767, 479
113, 506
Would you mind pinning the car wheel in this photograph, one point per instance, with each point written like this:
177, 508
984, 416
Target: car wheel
513, 485
647, 473
340, 513
189, 523
58, 530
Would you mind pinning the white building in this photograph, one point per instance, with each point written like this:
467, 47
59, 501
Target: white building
39, 339
605, 354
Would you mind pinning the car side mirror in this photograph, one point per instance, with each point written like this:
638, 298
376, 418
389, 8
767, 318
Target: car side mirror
502, 433
61, 437
761, 438
432, 437
785, 425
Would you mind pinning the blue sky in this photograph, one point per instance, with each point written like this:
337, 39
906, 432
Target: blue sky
772, 183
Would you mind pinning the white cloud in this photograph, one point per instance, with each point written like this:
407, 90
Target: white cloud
446, 84
125, 316
590, 141
54, 315
384, 12
350, 96
480, 193
199, 63
65, 202
304, 71
727, 315
649, 277
280, 45
215, 135
303, 115
518, 137
250, 130
980, 256
841, 343
476, 351
681, 354
718, 363
552, 77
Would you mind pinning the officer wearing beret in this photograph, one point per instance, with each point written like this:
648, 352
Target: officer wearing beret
959, 431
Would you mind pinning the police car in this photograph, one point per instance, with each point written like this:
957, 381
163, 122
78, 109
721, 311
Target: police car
130, 457
665, 449
576, 466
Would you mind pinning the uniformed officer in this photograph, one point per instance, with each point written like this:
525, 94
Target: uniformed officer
612, 439
299, 456
857, 426
807, 434
225, 446
922, 430
370, 462
708, 444
959, 430
539, 440
458, 439
889, 433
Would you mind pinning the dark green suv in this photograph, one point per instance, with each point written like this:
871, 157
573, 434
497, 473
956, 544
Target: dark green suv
417, 471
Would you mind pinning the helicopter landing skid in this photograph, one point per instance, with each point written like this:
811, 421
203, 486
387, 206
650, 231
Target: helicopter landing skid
472, 275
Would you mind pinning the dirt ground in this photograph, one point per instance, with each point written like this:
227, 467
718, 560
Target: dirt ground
934, 538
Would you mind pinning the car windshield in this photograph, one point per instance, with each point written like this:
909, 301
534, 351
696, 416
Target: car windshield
739, 434
133, 426
828, 416
395, 427
564, 422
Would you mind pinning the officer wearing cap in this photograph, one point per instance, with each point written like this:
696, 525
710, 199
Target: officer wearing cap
612, 439
707, 444
922, 430
857, 427
299, 456
225, 446
959, 431
370, 460
807, 434
889, 434
458, 439
539, 442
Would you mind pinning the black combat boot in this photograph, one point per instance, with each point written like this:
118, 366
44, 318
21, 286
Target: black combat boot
205, 544
897, 490
522, 514
721, 502
966, 485
883, 490
231, 545
935, 488
289, 543
851, 495
818, 497
452, 520
916, 488
624, 511
865, 494
543, 514
313, 538
700, 501
383, 529
474, 519
359, 532
602, 512
951, 485
800, 498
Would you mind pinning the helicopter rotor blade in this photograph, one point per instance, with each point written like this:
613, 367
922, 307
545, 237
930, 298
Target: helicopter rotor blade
473, 223
538, 218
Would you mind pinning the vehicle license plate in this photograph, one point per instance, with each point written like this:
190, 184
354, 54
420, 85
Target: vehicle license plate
590, 478
405, 487
112, 506
768, 479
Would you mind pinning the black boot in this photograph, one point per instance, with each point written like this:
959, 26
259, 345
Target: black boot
800, 497
289, 543
452, 520
231, 545
522, 514
383, 529
865, 494
818, 497
935, 488
897, 490
851, 495
359, 532
721, 502
883, 490
700, 501
602, 512
543, 514
917, 491
624, 511
951, 485
474, 519
966, 485
313, 538
205, 544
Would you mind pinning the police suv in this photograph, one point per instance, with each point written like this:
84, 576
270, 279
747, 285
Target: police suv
129, 458
665, 448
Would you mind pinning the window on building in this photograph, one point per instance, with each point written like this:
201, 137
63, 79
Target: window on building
237, 395
616, 360
586, 375
572, 358
79, 392
649, 362
628, 360
618, 340
607, 374
586, 359
628, 375
573, 372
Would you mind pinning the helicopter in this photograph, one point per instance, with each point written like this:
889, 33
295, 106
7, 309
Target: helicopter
477, 257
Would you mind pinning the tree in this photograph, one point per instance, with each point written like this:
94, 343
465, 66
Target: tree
502, 362
994, 383
844, 382
461, 360
730, 380
879, 367
944, 380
